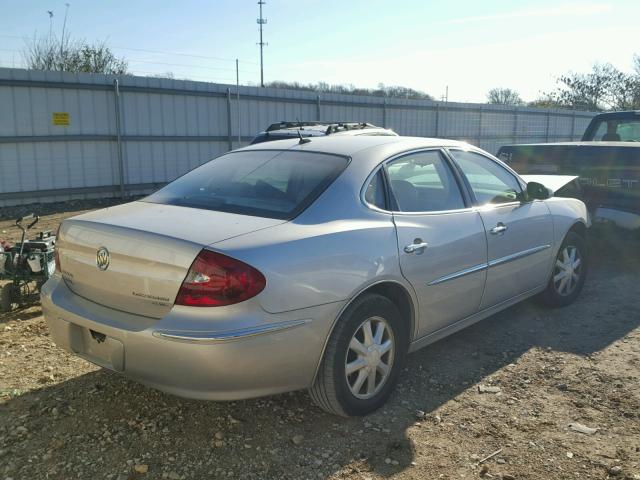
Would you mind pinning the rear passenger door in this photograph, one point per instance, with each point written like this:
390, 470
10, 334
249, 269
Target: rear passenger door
441, 241
519, 233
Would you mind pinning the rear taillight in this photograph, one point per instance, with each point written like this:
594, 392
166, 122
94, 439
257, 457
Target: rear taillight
215, 280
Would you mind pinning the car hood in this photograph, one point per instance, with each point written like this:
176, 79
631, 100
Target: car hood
552, 182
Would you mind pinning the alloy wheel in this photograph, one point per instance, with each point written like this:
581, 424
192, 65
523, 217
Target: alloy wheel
567, 270
369, 357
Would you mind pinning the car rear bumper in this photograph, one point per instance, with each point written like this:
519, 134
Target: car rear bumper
263, 354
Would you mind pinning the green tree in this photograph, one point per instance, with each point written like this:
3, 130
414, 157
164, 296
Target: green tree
547, 100
504, 96
381, 91
604, 88
66, 55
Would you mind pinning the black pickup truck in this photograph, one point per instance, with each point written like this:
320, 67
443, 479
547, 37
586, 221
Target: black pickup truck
607, 161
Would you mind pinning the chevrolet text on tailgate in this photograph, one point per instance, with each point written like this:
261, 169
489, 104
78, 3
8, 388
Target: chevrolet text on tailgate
607, 160
312, 263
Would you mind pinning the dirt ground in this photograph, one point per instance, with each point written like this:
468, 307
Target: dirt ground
63, 418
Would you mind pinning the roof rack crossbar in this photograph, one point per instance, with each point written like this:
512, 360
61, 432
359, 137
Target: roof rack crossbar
332, 127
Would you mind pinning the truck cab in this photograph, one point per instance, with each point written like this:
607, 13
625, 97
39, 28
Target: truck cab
614, 127
606, 160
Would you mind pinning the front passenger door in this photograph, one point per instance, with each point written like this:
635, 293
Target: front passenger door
519, 234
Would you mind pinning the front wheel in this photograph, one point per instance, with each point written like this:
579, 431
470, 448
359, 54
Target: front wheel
363, 358
569, 272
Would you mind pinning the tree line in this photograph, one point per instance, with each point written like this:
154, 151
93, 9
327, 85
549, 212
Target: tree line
605, 87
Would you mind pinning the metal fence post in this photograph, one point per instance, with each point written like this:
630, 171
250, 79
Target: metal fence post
480, 127
573, 125
515, 124
238, 113
548, 126
229, 133
437, 121
384, 113
318, 107
116, 93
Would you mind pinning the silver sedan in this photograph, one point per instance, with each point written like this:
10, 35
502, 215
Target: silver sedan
312, 264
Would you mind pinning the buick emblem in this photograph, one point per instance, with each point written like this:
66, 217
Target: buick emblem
103, 258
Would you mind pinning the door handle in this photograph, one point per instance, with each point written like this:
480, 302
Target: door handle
417, 245
499, 229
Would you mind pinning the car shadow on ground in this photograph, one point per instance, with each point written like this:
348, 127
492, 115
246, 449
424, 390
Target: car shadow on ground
22, 313
286, 436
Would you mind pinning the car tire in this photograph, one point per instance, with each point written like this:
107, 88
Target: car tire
381, 356
6, 297
569, 272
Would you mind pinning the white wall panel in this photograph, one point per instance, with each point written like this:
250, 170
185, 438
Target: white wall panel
159, 128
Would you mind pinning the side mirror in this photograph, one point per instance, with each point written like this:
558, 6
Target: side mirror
537, 191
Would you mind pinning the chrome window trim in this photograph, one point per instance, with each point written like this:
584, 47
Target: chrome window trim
492, 263
381, 165
492, 158
363, 192
498, 162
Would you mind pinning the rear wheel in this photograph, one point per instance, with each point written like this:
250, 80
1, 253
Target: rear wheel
363, 358
569, 272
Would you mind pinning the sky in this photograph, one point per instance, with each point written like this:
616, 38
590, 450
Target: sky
467, 46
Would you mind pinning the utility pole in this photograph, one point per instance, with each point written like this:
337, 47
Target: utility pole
261, 21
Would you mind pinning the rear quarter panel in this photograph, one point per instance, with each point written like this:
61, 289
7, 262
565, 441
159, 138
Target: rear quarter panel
314, 264
333, 250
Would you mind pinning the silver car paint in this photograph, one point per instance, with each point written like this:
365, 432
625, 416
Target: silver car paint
245, 367
518, 259
456, 242
315, 266
151, 248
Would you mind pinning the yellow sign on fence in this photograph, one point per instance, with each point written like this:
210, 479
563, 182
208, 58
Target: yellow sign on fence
61, 119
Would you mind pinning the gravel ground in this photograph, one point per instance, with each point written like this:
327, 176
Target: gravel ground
63, 418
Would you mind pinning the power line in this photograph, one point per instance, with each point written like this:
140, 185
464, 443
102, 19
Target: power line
133, 60
136, 60
187, 78
159, 52
179, 54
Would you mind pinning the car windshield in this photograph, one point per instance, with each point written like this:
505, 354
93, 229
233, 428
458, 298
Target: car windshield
264, 183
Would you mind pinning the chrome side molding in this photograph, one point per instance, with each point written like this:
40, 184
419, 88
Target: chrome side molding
461, 273
229, 335
518, 255
492, 263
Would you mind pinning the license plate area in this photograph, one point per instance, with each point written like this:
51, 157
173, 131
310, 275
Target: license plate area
95, 346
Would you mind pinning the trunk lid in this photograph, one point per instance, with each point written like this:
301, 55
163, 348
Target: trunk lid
134, 257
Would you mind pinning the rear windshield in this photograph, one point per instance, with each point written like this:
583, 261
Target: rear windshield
267, 183
617, 130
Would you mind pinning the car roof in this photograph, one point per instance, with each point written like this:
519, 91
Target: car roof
348, 145
624, 114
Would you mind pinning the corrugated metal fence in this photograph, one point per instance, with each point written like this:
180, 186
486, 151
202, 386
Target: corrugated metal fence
66, 136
